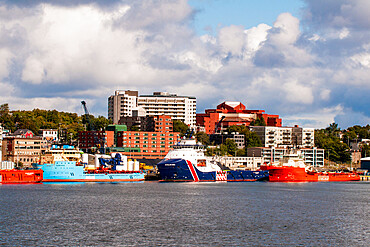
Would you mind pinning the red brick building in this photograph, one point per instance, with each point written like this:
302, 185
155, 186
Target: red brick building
151, 145
232, 113
89, 139
149, 123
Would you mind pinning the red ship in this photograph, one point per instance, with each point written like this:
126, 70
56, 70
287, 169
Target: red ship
20, 176
293, 169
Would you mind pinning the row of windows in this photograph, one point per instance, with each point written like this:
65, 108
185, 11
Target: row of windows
153, 142
137, 146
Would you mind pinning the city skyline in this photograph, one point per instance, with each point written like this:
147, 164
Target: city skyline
307, 61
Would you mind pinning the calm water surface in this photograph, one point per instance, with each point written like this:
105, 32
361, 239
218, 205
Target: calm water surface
186, 214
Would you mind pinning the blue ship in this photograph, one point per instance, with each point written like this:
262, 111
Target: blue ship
184, 171
59, 168
69, 171
187, 163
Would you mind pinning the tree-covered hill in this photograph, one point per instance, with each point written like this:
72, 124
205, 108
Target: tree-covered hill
48, 119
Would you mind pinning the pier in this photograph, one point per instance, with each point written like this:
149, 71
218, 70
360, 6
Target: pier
365, 178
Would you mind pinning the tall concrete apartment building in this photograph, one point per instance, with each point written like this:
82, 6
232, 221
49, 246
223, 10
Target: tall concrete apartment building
177, 107
285, 137
121, 104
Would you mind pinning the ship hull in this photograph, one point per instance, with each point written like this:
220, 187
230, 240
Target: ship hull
20, 176
68, 171
180, 170
298, 174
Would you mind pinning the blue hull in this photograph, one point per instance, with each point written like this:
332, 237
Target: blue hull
68, 171
183, 171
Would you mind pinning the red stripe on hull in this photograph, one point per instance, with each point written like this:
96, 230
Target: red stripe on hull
92, 180
184, 180
193, 172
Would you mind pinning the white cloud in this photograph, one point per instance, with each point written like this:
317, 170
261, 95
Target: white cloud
232, 39
297, 93
321, 118
5, 57
33, 71
287, 29
54, 56
255, 36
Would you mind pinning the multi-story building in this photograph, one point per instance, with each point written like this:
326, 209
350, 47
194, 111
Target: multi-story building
285, 137
311, 156
231, 113
121, 104
160, 103
23, 133
23, 149
143, 144
268, 154
217, 139
149, 123
49, 134
181, 108
95, 139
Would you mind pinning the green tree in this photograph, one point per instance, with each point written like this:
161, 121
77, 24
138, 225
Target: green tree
179, 126
202, 138
333, 129
237, 128
240, 152
252, 140
230, 146
336, 150
259, 122
365, 150
100, 123
6, 119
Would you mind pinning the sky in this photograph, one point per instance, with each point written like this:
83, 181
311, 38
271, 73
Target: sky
307, 61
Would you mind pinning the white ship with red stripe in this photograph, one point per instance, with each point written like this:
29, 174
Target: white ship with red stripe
187, 163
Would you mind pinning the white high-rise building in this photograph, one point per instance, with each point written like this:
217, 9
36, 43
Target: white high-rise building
121, 104
177, 107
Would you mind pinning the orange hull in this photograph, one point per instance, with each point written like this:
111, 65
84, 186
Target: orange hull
298, 174
20, 176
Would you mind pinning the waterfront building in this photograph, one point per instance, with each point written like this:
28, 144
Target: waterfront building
230, 113
220, 138
122, 104
49, 134
95, 139
26, 150
285, 137
23, 133
313, 156
149, 123
144, 144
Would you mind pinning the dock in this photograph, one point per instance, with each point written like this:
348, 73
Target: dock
365, 178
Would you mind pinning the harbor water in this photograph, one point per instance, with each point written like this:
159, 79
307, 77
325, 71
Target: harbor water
185, 214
